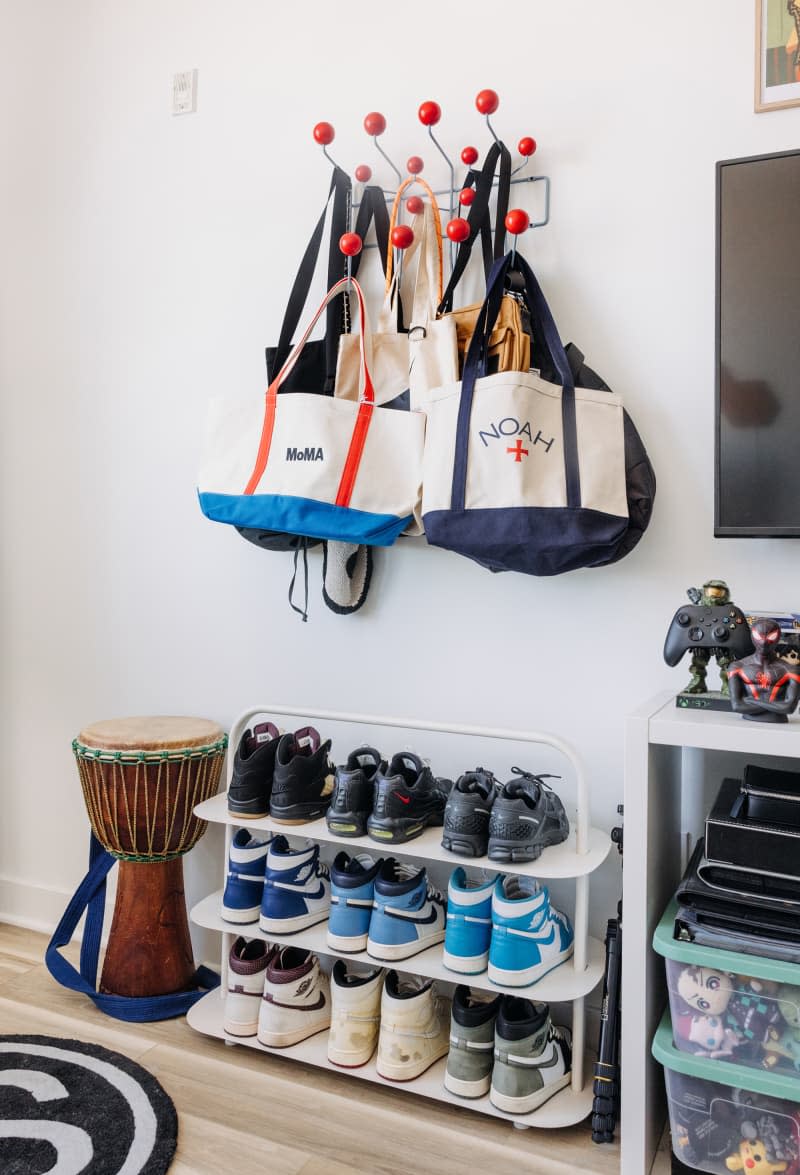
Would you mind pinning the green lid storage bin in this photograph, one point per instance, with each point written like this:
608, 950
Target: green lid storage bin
748, 1122
734, 1008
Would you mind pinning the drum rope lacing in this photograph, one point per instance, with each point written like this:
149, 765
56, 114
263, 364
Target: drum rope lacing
113, 804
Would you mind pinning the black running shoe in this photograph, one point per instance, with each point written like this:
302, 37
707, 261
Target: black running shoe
527, 816
407, 798
253, 766
466, 815
353, 789
303, 780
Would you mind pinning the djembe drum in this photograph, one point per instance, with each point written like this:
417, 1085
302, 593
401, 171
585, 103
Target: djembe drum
141, 779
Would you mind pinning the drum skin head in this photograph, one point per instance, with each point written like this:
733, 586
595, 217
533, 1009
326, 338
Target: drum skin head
159, 733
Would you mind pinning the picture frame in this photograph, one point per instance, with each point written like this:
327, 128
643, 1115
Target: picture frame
777, 65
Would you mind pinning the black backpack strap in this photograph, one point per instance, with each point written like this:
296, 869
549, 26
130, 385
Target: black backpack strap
340, 192
479, 218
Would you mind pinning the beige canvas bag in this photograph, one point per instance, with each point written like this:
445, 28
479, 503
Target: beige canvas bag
424, 357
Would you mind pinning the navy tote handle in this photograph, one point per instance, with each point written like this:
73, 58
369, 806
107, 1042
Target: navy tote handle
475, 368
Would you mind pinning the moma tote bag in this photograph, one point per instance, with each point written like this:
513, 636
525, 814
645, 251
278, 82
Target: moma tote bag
521, 474
315, 465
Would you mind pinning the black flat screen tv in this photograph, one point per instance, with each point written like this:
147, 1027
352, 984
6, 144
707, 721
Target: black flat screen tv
757, 459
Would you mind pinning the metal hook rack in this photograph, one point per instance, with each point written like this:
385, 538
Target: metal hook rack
429, 113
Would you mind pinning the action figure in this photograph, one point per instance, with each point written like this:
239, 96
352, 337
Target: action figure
763, 687
711, 627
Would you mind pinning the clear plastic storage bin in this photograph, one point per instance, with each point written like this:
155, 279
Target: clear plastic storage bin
750, 1125
730, 1007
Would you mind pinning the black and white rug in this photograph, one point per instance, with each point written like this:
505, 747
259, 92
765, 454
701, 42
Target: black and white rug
71, 1108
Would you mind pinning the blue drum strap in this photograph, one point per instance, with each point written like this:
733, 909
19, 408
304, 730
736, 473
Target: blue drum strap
90, 896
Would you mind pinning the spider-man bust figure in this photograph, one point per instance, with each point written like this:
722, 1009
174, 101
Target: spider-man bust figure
763, 687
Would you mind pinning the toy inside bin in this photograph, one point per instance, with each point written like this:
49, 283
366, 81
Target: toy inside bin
750, 1125
731, 1007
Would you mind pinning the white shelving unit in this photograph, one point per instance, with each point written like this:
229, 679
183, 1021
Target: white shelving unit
576, 859
674, 761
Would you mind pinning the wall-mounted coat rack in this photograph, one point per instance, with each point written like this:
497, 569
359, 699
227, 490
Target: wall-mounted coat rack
458, 197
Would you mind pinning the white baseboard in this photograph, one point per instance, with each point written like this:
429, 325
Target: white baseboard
35, 907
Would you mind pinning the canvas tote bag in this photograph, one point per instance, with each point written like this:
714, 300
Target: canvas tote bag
523, 474
405, 365
312, 464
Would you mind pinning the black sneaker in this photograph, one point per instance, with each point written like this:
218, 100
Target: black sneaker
303, 780
353, 789
407, 798
466, 815
253, 766
527, 816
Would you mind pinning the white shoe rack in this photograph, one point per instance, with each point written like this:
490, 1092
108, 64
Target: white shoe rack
451, 750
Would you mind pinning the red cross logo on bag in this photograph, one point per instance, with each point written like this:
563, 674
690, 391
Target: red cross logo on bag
518, 451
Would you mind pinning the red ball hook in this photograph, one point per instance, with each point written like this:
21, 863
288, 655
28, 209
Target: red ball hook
414, 205
374, 123
324, 134
526, 146
429, 113
402, 236
469, 156
457, 229
466, 196
517, 221
487, 101
414, 165
350, 244
363, 173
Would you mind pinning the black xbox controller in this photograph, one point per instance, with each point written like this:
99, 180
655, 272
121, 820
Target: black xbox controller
718, 626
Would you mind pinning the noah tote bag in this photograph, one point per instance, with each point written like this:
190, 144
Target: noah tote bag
315, 465
520, 473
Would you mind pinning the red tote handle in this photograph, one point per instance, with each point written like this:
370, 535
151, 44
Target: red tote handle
366, 404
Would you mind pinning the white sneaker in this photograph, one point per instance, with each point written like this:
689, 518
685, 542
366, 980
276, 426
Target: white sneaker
355, 1015
247, 965
415, 1027
296, 1002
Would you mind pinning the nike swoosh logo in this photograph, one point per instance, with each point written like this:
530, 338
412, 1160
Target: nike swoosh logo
321, 894
422, 921
296, 1007
403, 799
553, 1059
547, 941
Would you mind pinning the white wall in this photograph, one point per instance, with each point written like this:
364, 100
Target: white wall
146, 259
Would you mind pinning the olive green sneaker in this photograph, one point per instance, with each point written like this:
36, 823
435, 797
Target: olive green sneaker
532, 1057
469, 1062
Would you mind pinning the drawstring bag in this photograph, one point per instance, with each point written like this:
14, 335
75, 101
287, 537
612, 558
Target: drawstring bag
522, 473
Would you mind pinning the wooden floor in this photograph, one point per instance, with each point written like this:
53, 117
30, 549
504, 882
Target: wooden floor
253, 1114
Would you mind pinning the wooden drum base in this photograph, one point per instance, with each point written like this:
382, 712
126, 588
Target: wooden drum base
149, 949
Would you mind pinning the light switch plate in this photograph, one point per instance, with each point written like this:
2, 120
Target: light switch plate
184, 92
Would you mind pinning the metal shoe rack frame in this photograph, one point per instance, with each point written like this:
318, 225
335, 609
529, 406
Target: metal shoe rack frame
576, 859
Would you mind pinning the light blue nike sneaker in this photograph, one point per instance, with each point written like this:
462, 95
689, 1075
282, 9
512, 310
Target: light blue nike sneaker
529, 937
297, 892
469, 923
352, 891
408, 916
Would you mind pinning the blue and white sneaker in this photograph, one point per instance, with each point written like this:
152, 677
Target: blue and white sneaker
529, 936
297, 891
244, 885
352, 893
469, 924
408, 916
